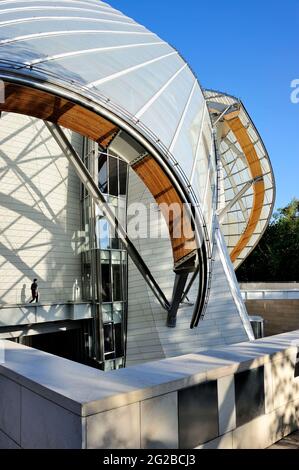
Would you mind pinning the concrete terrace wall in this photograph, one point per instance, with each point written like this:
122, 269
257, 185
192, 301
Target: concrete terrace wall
239, 396
279, 315
276, 303
225, 321
39, 213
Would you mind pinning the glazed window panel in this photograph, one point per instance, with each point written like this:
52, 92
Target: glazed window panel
117, 313
107, 313
117, 276
123, 169
106, 281
113, 176
86, 276
103, 173
102, 234
109, 344
119, 340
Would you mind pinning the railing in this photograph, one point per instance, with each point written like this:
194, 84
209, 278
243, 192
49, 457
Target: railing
271, 294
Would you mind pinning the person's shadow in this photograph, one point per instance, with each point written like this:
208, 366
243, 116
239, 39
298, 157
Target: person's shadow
23, 294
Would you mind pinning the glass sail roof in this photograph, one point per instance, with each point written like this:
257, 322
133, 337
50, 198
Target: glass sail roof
243, 159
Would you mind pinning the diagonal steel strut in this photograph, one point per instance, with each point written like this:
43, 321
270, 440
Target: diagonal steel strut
237, 197
99, 199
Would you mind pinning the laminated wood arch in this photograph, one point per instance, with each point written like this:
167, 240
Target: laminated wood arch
236, 126
49, 107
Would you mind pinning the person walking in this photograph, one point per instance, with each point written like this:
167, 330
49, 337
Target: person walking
34, 291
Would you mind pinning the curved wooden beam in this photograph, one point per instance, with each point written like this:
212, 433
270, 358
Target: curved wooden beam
48, 107
179, 225
236, 126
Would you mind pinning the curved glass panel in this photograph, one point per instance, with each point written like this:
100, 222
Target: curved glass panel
247, 176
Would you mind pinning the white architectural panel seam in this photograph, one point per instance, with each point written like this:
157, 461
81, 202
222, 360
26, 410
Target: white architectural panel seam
129, 70
210, 167
4, 11
198, 144
178, 130
88, 51
159, 93
28, 37
69, 18
97, 4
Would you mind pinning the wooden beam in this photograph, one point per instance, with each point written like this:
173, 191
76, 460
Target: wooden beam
165, 195
42, 105
236, 126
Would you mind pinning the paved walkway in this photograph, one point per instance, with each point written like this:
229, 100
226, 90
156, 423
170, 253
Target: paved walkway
289, 442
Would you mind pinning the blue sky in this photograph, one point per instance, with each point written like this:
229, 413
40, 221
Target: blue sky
249, 49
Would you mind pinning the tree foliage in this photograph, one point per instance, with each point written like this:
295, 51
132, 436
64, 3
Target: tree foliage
276, 258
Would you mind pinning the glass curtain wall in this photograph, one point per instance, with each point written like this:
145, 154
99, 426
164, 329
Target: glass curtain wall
104, 263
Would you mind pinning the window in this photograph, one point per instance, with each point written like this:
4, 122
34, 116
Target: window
103, 173
102, 234
117, 312
108, 261
106, 280
113, 273
117, 282
122, 178
118, 334
113, 176
86, 277
113, 340
107, 313
109, 349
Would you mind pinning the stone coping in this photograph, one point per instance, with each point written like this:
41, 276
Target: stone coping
45, 304
86, 391
249, 291
269, 286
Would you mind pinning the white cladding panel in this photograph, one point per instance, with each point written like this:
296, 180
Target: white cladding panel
39, 213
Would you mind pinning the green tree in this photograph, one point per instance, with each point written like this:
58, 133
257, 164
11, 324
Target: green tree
276, 257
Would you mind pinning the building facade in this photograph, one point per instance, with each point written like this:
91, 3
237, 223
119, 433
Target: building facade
127, 190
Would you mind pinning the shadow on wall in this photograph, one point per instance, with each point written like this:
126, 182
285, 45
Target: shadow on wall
285, 388
281, 414
40, 214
